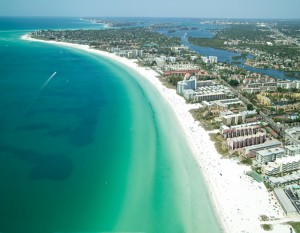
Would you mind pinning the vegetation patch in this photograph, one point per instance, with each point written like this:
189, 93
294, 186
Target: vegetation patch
267, 227
295, 226
218, 140
206, 119
264, 218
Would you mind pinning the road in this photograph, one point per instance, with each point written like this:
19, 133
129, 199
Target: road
280, 34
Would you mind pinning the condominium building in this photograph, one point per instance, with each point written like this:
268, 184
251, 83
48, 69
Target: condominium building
292, 150
282, 165
239, 130
186, 84
250, 151
234, 119
209, 96
209, 93
225, 104
269, 155
240, 142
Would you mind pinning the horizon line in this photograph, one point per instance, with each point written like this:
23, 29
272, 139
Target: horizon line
165, 17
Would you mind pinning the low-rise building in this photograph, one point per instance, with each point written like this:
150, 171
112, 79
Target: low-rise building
285, 203
284, 180
250, 151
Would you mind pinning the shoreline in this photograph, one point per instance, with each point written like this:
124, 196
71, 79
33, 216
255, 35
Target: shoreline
238, 202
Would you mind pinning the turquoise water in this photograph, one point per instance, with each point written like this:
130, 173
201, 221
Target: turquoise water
96, 150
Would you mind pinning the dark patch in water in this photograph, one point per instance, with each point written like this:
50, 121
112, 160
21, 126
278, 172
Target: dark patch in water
54, 167
82, 99
34, 127
82, 135
62, 131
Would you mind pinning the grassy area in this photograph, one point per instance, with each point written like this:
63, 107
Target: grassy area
267, 227
264, 218
296, 226
247, 161
206, 120
218, 140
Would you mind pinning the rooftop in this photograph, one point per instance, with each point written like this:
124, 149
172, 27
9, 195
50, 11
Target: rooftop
285, 201
261, 146
270, 151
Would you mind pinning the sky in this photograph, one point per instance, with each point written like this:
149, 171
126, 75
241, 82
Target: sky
286, 9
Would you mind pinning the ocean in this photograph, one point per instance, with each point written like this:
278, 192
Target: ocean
87, 145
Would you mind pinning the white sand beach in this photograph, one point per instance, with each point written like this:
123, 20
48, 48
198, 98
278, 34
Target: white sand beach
239, 201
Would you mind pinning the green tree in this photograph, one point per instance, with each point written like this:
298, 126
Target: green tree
233, 82
250, 107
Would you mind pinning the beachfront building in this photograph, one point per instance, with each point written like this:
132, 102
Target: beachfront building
239, 130
134, 53
210, 93
285, 203
186, 84
250, 151
292, 136
240, 142
269, 155
209, 96
234, 119
189, 94
284, 180
292, 150
281, 166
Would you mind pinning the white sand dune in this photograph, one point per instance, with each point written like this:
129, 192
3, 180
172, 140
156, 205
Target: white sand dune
238, 200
